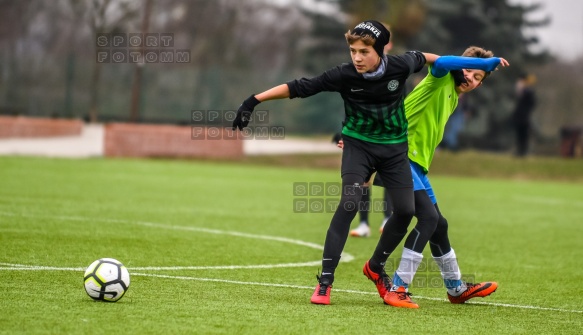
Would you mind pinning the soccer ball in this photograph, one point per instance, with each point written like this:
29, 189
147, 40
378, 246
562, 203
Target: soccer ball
106, 279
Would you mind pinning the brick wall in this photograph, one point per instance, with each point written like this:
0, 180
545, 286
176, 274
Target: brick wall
26, 127
138, 140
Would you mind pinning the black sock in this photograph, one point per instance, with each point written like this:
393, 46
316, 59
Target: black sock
375, 266
329, 265
388, 243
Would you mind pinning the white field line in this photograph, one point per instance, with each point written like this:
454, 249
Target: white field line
23, 267
346, 257
20, 267
350, 291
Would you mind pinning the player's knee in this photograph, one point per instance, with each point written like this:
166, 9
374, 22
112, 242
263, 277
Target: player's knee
442, 226
350, 202
352, 190
404, 211
426, 226
427, 223
350, 198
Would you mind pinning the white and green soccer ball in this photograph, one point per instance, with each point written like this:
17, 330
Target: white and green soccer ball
106, 279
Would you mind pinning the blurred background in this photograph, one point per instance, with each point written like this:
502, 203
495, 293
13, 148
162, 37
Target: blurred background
49, 65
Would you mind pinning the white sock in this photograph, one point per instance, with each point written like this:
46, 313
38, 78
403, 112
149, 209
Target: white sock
409, 264
448, 266
461, 288
450, 272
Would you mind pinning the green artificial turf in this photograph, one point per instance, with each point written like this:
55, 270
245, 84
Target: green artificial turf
217, 248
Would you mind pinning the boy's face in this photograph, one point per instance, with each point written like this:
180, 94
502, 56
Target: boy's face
364, 57
473, 80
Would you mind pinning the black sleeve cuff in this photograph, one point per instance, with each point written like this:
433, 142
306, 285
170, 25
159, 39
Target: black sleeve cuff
293, 92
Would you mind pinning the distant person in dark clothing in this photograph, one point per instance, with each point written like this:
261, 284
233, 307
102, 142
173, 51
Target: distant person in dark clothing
525, 104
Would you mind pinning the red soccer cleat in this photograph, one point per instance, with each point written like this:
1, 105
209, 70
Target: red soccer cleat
381, 280
321, 295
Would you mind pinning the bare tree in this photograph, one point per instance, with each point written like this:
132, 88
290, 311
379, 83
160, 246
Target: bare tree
15, 21
106, 16
137, 84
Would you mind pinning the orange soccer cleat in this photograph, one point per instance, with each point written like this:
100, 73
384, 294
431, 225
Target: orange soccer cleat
400, 298
474, 290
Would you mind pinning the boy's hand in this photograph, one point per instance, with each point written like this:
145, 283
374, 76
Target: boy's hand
340, 144
503, 63
244, 112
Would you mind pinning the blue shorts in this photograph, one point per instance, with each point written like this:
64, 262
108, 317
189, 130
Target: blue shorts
421, 181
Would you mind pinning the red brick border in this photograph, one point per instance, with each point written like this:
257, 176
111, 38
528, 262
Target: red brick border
26, 127
139, 140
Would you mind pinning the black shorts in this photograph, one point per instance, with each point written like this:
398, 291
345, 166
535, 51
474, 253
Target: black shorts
389, 160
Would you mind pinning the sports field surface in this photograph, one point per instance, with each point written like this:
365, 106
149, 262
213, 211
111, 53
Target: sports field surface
217, 248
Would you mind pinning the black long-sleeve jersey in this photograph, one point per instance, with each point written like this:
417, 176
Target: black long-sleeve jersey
374, 108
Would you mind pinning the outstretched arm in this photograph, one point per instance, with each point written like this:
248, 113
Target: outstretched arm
244, 112
444, 64
277, 92
430, 58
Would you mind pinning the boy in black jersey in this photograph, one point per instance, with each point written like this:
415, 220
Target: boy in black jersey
374, 134
365, 205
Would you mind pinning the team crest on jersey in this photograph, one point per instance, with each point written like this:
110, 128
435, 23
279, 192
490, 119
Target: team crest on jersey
393, 84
